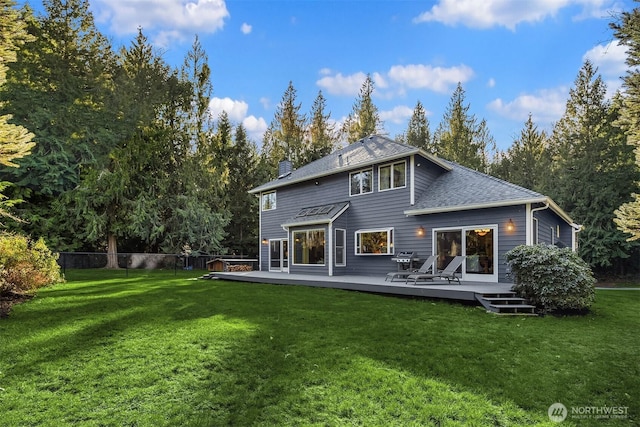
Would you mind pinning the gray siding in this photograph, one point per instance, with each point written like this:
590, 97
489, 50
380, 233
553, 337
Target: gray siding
381, 209
548, 224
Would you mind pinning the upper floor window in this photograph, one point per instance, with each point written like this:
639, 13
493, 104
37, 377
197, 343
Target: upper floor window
392, 176
268, 201
361, 182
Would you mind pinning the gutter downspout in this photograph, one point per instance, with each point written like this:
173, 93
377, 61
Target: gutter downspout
530, 221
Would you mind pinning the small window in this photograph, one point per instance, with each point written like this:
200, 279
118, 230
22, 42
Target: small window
341, 253
361, 182
374, 242
268, 201
392, 176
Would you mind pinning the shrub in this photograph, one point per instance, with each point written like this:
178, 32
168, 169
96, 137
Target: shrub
26, 265
552, 278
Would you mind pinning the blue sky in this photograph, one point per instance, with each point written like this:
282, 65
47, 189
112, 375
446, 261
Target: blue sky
513, 57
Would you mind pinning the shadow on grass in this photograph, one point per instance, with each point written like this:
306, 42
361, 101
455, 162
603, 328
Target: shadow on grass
283, 355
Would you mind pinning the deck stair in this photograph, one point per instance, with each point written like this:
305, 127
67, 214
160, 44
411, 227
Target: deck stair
506, 303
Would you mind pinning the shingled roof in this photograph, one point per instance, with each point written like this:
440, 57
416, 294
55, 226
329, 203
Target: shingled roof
464, 189
365, 152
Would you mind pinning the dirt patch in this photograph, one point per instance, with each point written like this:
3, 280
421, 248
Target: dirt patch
10, 299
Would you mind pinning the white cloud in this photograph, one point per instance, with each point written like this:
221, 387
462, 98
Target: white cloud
237, 110
491, 82
256, 127
437, 79
610, 59
246, 28
397, 80
339, 84
173, 16
506, 13
546, 106
399, 115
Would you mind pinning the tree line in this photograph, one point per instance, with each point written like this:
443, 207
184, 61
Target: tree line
107, 149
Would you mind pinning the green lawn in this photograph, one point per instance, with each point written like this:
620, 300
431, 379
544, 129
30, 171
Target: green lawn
156, 349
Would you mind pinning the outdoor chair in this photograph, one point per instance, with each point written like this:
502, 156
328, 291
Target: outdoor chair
448, 273
428, 265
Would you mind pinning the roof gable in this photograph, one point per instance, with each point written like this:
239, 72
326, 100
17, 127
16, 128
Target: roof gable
365, 152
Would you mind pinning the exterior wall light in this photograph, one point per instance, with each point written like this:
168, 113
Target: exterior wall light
265, 241
421, 231
511, 226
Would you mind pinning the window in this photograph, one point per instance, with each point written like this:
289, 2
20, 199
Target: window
268, 201
392, 176
361, 182
341, 254
374, 242
308, 247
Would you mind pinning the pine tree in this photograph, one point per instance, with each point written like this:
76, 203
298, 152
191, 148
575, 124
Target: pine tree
364, 119
592, 170
627, 30
418, 133
460, 138
15, 141
244, 174
526, 162
321, 134
73, 64
284, 139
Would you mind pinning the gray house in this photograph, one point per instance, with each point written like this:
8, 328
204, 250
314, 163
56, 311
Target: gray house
355, 210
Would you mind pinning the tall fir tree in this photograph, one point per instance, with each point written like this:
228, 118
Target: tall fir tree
321, 137
364, 119
593, 170
15, 140
284, 139
527, 161
244, 174
461, 138
72, 63
627, 31
418, 133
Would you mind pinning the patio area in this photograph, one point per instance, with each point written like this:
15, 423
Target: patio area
466, 291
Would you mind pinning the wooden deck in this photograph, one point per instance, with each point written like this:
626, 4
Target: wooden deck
466, 291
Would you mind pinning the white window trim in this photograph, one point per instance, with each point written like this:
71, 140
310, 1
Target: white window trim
358, 172
262, 196
390, 238
307, 230
344, 248
391, 187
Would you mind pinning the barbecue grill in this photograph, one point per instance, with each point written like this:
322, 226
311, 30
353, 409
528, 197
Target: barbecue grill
405, 260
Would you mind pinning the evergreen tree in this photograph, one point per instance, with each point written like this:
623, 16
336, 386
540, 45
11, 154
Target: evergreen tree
461, 138
527, 161
364, 119
60, 88
418, 133
15, 141
627, 30
593, 170
322, 138
244, 174
284, 139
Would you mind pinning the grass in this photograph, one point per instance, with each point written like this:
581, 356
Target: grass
158, 349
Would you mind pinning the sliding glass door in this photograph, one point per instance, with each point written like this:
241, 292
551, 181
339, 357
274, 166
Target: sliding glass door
479, 246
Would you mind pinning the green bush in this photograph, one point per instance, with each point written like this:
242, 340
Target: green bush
552, 278
26, 265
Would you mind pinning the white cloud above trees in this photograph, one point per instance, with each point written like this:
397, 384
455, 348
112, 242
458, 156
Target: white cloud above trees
397, 80
173, 17
545, 106
507, 13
